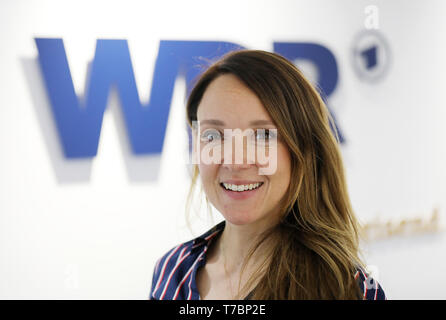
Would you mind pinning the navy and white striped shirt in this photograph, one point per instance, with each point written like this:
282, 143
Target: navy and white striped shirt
175, 272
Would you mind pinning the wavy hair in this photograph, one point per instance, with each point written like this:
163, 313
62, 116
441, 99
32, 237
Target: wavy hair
314, 249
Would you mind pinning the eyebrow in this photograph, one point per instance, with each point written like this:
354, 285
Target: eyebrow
221, 123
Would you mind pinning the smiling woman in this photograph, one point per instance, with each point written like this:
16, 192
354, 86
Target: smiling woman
288, 234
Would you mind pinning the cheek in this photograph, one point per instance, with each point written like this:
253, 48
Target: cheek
283, 168
208, 173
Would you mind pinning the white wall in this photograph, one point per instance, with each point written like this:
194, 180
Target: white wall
94, 229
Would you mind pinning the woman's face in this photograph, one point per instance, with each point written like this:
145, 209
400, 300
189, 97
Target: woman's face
235, 106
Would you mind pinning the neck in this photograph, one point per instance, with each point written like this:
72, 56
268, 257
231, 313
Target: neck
237, 240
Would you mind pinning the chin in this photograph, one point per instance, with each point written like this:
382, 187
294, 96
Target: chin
240, 218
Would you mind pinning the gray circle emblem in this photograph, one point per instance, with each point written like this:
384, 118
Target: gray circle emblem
370, 55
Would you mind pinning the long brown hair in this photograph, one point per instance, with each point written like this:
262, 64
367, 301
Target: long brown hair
315, 249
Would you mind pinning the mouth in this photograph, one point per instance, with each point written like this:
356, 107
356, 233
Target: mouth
240, 192
241, 188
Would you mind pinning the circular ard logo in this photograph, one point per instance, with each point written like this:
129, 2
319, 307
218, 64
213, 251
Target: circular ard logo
370, 55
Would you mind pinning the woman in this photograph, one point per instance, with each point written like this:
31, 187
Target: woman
290, 234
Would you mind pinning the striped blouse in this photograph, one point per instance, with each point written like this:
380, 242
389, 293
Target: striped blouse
175, 272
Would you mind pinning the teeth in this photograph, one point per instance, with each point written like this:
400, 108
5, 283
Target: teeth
241, 188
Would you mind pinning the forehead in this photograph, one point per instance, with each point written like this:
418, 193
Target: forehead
229, 100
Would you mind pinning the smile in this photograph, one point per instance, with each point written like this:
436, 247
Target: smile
241, 188
241, 192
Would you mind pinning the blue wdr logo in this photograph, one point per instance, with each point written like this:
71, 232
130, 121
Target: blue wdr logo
79, 125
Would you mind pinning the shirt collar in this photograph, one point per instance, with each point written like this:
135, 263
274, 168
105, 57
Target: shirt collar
206, 237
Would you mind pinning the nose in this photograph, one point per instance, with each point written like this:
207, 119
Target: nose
238, 153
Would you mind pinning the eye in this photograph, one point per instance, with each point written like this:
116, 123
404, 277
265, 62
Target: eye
264, 135
210, 135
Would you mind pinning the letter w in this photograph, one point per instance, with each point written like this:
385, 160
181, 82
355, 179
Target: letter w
79, 126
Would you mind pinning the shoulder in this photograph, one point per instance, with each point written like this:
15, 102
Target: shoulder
169, 268
370, 288
186, 248
175, 266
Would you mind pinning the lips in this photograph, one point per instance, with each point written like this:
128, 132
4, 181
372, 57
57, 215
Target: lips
241, 187
241, 195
